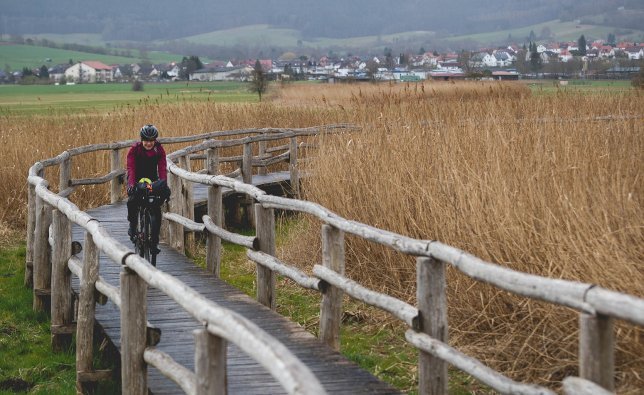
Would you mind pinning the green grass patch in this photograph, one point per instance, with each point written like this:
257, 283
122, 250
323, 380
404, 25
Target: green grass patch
53, 99
27, 363
17, 56
548, 87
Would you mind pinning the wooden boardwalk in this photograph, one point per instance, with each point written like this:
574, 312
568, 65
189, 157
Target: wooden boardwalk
245, 376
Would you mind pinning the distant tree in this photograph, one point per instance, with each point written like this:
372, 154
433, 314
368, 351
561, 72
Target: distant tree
421, 51
188, 66
137, 85
26, 72
71, 61
532, 36
43, 73
611, 39
464, 60
403, 59
535, 57
372, 69
581, 44
259, 82
638, 79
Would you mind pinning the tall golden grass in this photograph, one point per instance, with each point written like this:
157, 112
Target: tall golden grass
539, 184
536, 184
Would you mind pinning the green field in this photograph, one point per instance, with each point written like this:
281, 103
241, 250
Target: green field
264, 36
40, 99
16, 57
561, 31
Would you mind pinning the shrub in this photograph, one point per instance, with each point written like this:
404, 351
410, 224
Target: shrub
137, 86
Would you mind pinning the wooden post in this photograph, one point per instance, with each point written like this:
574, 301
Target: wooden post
115, 183
42, 262
292, 166
262, 151
176, 206
331, 307
133, 333
86, 309
62, 308
597, 349
215, 212
247, 164
265, 232
210, 363
188, 208
65, 174
31, 228
247, 177
432, 308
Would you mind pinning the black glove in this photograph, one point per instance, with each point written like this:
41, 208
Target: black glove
130, 190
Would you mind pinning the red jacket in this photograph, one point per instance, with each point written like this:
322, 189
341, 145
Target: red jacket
142, 163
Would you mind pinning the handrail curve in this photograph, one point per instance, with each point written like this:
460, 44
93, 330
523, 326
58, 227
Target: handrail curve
285, 367
596, 305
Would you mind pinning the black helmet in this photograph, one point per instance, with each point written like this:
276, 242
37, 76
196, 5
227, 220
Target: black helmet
149, 132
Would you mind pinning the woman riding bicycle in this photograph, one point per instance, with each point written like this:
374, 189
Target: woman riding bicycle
146, 159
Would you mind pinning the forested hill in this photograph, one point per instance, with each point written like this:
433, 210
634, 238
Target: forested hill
168, 19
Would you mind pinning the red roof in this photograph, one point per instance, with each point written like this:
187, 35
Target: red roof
96, 65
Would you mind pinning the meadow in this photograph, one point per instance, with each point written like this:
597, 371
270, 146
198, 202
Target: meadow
545, 184
42, 99
17, 56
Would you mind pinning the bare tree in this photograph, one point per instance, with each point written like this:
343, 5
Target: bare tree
258, 82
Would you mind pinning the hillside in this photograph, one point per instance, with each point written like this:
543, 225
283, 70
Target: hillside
148, 20
18, 56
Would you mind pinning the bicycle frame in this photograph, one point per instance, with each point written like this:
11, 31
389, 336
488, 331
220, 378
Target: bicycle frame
143, 240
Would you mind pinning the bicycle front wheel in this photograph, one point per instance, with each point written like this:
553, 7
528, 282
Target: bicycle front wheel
147, 236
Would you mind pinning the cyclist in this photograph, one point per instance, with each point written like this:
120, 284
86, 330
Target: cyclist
146, 159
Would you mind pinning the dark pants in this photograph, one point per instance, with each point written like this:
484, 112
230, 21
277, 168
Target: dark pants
155, 217
161, 189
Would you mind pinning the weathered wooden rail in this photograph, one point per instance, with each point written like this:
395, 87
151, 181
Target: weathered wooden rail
427, 322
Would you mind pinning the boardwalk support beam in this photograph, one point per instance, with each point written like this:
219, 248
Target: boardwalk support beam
42, 262
597, 349
62, 308
115, 183
215, 212
331, 307
432, 310
86, 309
210, 363
133, 333
266, 235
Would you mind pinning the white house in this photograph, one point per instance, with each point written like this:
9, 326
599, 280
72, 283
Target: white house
239, 73
635, 53
89, 71
483, 59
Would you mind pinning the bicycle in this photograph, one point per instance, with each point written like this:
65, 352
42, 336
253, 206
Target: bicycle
143, 245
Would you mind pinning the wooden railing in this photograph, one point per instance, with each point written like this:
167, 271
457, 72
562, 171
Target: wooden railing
51, 260
427, 322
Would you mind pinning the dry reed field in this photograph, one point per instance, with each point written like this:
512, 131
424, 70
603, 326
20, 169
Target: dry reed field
548, 184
